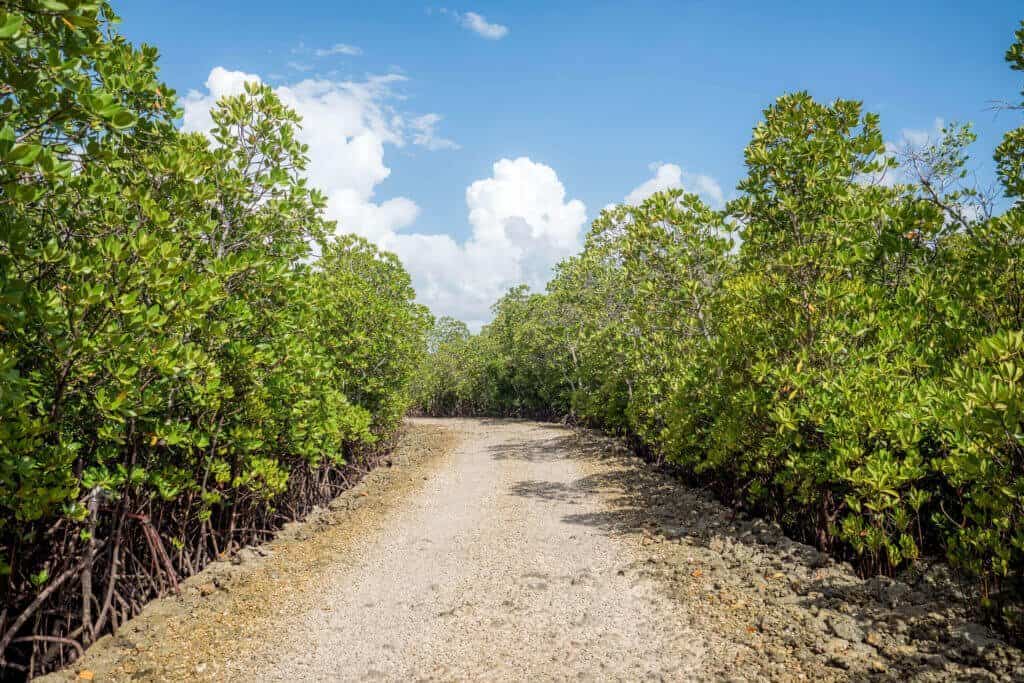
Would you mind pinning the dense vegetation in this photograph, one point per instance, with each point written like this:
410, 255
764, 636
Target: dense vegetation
188, 356
842, 345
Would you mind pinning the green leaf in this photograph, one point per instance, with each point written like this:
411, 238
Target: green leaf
10, 24
24, 154
123, 119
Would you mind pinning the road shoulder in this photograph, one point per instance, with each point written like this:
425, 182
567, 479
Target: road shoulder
235, 607
772, 608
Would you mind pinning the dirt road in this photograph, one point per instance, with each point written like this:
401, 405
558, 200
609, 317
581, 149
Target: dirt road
507, 550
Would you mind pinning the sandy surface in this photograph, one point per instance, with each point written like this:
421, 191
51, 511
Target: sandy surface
512, 550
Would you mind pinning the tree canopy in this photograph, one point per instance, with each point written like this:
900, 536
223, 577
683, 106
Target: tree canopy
189, 356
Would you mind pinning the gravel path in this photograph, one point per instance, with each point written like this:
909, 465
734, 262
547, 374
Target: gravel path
484, 576
512, 550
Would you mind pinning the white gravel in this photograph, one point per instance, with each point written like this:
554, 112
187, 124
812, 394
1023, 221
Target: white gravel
481, 576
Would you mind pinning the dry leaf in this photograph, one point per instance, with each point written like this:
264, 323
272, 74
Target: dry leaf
697, 573
86, 675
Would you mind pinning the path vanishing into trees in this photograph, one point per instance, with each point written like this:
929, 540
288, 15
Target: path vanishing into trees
513, 550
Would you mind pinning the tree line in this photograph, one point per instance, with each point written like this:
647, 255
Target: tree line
189, 356
841, 346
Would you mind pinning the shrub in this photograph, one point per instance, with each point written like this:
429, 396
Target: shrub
188, 356
842, 352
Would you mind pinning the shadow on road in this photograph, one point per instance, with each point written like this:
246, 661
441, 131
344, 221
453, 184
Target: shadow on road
915, 627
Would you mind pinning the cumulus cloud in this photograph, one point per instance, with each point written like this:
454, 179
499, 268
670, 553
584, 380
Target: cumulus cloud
220, 83
347, 125
478, 24
669, 176
521, 218
338, 49
522, 224
525, 191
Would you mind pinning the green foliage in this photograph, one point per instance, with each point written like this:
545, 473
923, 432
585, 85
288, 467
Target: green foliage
66, 87
178, 324
843, 352
452, 378
981, 411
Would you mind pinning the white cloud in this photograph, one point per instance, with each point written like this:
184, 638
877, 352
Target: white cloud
373, 221
522, 224
424, 134
347, 125
220, 83
478, 24
669, 176
919, 138
339, 49
522, 221
529, 194
910, 139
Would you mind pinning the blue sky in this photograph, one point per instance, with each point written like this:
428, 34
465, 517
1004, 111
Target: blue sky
582, 98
